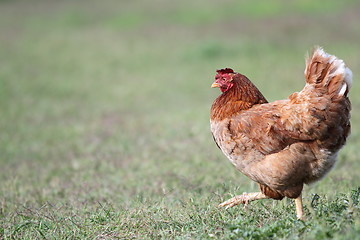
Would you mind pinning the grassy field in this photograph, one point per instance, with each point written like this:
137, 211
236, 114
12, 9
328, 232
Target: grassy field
104, 128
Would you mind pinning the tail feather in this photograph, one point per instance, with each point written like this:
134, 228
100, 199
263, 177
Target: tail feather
327, 72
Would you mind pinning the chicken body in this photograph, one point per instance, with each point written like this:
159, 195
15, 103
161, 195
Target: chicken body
286, 143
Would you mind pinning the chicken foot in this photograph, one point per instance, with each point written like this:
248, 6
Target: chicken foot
244, 198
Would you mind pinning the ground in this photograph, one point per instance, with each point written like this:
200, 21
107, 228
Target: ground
104, 130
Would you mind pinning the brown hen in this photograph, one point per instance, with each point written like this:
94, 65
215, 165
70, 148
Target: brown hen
286, 143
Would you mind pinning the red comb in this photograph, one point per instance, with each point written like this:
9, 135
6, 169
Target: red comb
226, 70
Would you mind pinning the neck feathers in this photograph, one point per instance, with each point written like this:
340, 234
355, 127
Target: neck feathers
243, 95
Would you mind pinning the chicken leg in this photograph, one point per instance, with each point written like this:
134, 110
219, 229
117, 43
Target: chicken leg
244, 198
299, 208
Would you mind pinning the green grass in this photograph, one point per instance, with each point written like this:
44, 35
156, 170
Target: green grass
104, 128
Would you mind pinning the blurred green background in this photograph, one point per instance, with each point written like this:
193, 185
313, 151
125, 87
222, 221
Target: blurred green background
104, 105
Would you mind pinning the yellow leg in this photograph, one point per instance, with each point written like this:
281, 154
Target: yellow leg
245, 198
299, 208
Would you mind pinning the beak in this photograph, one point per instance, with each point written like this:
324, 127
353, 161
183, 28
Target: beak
215, 85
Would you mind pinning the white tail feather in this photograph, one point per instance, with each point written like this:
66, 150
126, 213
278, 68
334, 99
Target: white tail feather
323, 68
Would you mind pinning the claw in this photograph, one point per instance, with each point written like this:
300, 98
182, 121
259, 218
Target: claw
245, 199
235, 201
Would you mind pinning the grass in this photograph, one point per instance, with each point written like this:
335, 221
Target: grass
105, 118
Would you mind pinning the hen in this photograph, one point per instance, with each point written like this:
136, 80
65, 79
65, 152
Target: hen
286, 143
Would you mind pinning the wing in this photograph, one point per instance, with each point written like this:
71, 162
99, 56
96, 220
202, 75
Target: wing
274, 126
262, 126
